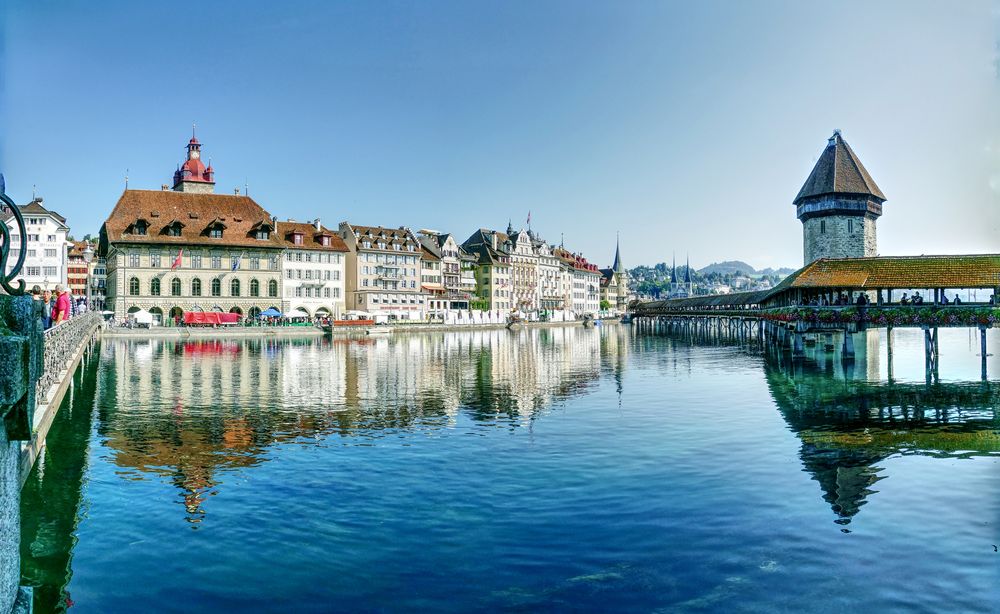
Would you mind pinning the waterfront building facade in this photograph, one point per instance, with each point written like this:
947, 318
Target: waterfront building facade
45, 243
457, 270
494, 283
383, 271
839, 205
313, 269
189, 249
583, 281
77, 269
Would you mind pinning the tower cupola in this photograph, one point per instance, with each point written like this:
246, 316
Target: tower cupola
193, 175
838, 205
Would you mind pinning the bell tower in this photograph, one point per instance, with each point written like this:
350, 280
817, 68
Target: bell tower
838, 206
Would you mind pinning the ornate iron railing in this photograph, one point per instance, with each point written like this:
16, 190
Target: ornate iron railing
5, 247
62, 342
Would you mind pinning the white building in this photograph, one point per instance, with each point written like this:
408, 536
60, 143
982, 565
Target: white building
45, 244
312, 269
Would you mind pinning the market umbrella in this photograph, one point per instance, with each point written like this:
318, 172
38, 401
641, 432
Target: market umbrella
270, 312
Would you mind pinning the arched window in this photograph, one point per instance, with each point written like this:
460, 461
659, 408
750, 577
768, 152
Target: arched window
272, 288
133, 286
254, 287
216, 287
175, 287
154, 286
196, 287
234, 288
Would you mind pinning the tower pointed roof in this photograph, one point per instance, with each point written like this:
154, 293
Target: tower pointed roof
839, 171
687, 271
617, 266
673, 271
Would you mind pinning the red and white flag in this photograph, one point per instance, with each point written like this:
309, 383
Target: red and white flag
177, 260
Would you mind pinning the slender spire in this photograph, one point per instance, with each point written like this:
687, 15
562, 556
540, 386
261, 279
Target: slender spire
673, 270
687, 271
617, 267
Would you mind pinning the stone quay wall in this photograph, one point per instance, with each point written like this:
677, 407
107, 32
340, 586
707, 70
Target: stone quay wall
21, 353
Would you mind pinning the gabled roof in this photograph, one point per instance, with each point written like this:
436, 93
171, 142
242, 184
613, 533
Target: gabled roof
311, 238
35, 208
839, 171
237, 213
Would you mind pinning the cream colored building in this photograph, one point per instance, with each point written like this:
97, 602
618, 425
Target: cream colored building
383, 271
313, 268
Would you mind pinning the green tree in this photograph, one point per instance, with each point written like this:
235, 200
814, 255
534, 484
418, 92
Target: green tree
605, 305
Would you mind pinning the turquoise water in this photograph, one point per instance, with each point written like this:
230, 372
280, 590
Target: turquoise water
545, 470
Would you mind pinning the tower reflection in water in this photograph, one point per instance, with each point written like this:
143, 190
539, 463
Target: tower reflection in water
196, 414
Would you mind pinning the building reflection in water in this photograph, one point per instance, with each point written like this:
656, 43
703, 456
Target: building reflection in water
191, 410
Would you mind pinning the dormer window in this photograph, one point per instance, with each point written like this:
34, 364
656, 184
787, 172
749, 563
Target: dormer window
263, 234
174, 231
297, 238
140, 227
324, 241
215, 229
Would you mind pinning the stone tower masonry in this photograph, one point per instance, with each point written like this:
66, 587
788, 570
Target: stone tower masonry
838, 206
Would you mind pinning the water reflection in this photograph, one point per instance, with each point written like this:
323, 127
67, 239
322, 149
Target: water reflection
848, 426
190, 410
198, 417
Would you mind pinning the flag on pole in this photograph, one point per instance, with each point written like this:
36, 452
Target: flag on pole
177, 260
236, 262
529, 219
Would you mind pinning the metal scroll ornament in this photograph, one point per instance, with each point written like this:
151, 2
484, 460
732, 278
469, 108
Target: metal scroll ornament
5, 245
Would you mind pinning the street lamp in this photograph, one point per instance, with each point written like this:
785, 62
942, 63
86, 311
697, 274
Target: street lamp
88, 256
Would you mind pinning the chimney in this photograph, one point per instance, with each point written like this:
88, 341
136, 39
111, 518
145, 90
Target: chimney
236, 191
319, 226
164, 187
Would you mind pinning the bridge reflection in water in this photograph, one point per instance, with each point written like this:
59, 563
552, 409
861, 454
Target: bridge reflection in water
189, 412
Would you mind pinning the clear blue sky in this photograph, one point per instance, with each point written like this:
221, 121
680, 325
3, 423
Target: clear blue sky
687, 126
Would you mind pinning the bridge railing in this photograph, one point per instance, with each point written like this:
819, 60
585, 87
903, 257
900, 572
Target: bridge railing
965, 315
63, 343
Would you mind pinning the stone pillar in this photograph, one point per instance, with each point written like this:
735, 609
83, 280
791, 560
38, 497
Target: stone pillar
20, 366
797, 350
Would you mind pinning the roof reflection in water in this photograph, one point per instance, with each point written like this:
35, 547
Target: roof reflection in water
847, 427
191, 410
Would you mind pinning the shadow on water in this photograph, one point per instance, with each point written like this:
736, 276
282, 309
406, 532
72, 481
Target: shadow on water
51, 497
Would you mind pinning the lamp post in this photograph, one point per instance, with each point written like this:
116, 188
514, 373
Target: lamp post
88, 256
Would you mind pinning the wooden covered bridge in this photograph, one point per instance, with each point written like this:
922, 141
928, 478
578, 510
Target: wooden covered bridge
841, 296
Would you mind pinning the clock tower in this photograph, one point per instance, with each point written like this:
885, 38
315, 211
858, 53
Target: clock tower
193, 175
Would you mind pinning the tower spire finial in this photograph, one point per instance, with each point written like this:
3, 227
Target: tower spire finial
192, 130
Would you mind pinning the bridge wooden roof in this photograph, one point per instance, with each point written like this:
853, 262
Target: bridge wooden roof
897, 272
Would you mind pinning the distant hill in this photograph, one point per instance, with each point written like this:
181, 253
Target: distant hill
738, 266
782, 272
729, 266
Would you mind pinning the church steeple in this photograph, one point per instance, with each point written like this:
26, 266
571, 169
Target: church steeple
617, 266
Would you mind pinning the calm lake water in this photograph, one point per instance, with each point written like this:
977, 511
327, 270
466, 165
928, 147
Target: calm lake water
557, 469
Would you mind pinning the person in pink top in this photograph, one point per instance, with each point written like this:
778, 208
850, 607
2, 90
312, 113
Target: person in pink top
61, 310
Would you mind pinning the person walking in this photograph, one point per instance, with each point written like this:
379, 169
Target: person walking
47, 303
61, 312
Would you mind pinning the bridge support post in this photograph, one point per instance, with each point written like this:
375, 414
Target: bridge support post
828, 342
982, 349
930, 354
888, 352
798, 351
848, 352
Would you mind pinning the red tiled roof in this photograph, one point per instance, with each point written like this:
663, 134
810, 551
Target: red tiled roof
311, 238
239, 214
900, 272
